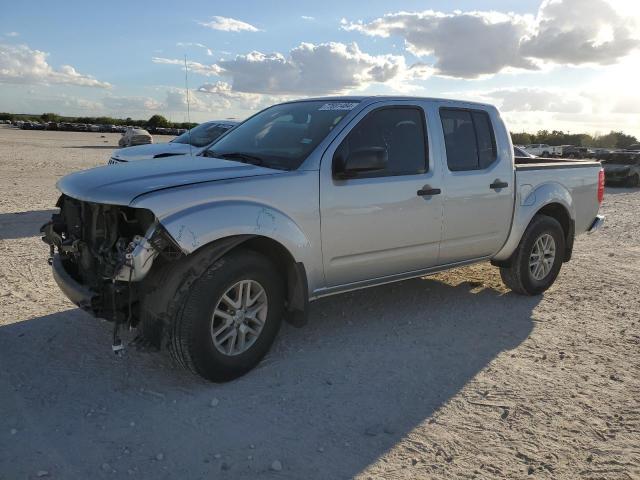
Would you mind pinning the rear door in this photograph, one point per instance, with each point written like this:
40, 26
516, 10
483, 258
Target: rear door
379, 224
477, 186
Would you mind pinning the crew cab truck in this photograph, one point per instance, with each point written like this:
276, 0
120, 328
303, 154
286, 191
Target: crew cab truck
206, 255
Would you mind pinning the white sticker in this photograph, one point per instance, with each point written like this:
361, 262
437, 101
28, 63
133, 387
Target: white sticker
306, 140
338, 106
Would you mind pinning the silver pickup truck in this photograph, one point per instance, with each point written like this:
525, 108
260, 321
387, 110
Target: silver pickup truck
207, 254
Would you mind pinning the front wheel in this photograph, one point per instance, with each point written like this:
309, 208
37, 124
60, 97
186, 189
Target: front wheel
230, 317
537, 261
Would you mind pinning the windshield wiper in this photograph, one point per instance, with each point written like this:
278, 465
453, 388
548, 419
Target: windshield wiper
239, 156
246, 158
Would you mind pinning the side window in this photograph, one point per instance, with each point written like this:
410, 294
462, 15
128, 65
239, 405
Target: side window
468, 138
400, 131
486, 143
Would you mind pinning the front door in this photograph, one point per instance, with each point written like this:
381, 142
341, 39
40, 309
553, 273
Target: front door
384, 222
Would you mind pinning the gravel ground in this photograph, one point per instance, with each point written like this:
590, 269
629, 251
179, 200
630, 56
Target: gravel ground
449, 376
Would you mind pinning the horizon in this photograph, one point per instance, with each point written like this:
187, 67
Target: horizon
535, 61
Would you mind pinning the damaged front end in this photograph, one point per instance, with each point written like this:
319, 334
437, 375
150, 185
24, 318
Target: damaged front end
101, 253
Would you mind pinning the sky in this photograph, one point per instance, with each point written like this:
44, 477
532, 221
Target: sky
571, 65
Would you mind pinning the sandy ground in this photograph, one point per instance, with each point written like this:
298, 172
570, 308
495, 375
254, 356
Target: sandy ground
450, 376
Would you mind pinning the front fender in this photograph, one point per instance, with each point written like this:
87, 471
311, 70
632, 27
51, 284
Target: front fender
529, 202
200, 225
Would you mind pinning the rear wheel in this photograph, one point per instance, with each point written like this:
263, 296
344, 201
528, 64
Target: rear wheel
537, 261
229, 317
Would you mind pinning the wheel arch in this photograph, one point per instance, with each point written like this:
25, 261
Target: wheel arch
170, 276
292, 271
551, 199
561, 214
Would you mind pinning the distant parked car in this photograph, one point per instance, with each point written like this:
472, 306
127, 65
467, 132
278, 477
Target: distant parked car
571, 151
193, 142
601, 153
543, 150
135, 136
32, 126
622, 170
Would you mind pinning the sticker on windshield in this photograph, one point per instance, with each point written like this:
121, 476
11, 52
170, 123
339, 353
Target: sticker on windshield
338, 106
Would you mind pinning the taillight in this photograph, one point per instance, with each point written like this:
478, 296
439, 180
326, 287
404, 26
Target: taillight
601, 185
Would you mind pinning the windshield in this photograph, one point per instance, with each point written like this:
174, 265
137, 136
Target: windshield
282, 136
203, 134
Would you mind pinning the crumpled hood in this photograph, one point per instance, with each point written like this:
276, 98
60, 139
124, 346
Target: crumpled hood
146, 152
121, 183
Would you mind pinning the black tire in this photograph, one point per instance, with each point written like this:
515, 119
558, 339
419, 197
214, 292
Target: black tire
518, 277
634, 181
191, 343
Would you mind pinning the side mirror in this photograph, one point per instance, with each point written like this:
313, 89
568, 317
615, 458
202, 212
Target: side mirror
371, 159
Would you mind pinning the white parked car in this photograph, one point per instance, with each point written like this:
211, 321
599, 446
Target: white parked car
135, 136
190, 142
543, 150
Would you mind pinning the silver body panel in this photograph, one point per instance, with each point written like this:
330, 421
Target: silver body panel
355, 233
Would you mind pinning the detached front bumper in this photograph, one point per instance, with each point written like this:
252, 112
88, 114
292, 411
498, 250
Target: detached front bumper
596, 224
82, 296
109, 303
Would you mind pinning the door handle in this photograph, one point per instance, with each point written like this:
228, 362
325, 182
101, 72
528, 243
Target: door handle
427, 192
498, 184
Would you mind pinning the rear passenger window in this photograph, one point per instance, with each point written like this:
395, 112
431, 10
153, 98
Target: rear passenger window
468, 138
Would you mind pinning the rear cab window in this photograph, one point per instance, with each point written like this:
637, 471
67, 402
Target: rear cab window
469, 139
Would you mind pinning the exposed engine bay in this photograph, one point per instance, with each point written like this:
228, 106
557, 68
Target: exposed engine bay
107, 250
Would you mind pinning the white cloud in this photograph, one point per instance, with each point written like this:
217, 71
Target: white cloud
129, 104
306, 17
581, 31
227, 24
539, 100
176, 101
78, 103
197, 67
224, 93
194, 44
311, 69
472, 44
11, 34
317, 69
20, 64
587, 109
464, 44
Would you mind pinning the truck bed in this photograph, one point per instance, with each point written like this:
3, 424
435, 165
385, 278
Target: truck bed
538, 163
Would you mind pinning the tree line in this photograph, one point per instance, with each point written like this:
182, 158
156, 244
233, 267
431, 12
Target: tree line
156, 121
612, 139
